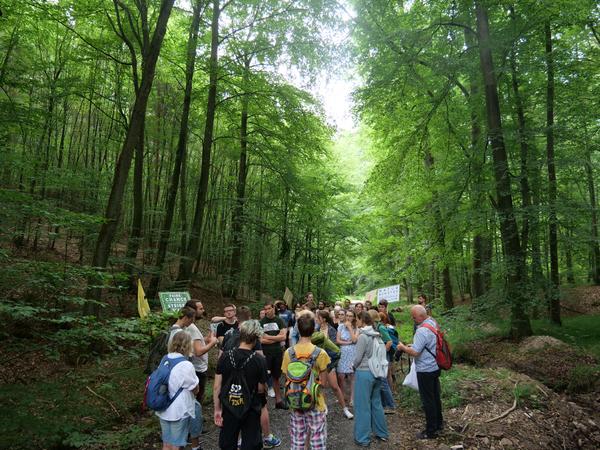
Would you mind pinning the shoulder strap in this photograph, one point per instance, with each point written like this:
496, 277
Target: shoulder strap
429, 327
247, 360
292, 353
314, 355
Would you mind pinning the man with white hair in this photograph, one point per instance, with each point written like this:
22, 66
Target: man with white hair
423, 350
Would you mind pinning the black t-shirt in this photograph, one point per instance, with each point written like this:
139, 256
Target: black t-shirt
272, 327
224, 327
255, 371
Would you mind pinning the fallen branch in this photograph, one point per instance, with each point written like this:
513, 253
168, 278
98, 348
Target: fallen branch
541, 390
508, 411
105, 399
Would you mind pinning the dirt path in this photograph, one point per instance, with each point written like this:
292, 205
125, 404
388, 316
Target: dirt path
340, 434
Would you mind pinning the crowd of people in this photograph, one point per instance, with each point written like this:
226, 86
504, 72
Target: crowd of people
259, 358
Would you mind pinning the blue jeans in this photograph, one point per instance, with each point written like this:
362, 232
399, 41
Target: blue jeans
387, 398
369, 417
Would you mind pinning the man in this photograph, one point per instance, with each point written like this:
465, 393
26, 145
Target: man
423, 350
382, 306
275, 332
314, 421
200, 348
255, 374
285, 314
229, 323
232, 340
185, 318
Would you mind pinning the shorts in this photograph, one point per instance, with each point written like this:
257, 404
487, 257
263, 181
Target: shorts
334, 362
175, 432
274, 362
196, 424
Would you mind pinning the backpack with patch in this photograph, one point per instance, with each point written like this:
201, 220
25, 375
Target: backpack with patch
302, 385
378, 363
158, 350
156, 394
235, 394
443, 355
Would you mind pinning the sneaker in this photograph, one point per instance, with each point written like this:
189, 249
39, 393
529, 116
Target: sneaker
389, 411
348, 414
425, 435
381, 438
271, 392
360, 444
281, 405
271, 441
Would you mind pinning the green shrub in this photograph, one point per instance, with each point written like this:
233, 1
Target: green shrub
583, 378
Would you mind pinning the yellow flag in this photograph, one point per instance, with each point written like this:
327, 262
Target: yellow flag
288, 297
143, 306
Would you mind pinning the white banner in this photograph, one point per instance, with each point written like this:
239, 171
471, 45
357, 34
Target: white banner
390, 293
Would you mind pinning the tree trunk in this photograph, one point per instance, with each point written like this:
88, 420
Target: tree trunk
187, 261
133, 244
553, 292
524, 145
238, 212
180, 154
515, 265
113, 209
595, 266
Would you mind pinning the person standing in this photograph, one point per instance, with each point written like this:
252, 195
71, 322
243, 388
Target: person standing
325, 338
275, 333
229, 323
312, 421
382, 307
423, 350
254, 370
387, 397
232, 340
346, 338
369, 417
176, 420
200, 348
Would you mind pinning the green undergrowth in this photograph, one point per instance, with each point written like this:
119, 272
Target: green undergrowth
465, 384
62, 413
579, 331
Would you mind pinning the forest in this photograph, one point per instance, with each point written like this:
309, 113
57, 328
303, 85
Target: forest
184, 145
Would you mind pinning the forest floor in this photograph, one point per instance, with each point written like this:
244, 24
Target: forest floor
546, 389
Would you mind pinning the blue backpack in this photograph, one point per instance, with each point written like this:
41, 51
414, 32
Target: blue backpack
156, 395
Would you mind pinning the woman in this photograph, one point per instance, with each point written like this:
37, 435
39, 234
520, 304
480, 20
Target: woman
367, 389
176, 421
325, 338
346, 338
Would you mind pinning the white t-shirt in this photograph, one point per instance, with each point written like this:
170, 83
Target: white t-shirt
183, 376
200, 362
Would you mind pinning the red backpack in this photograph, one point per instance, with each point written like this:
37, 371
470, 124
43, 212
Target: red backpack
443, 356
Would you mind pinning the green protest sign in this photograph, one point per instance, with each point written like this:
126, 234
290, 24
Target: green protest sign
173, 301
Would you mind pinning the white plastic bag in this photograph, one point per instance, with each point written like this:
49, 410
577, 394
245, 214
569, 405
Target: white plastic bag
411, 379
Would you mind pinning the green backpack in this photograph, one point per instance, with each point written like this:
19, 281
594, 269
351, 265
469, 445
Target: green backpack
302, 385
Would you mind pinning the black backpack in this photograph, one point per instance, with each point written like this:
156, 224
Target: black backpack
235, 395
158, 349
231, 340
